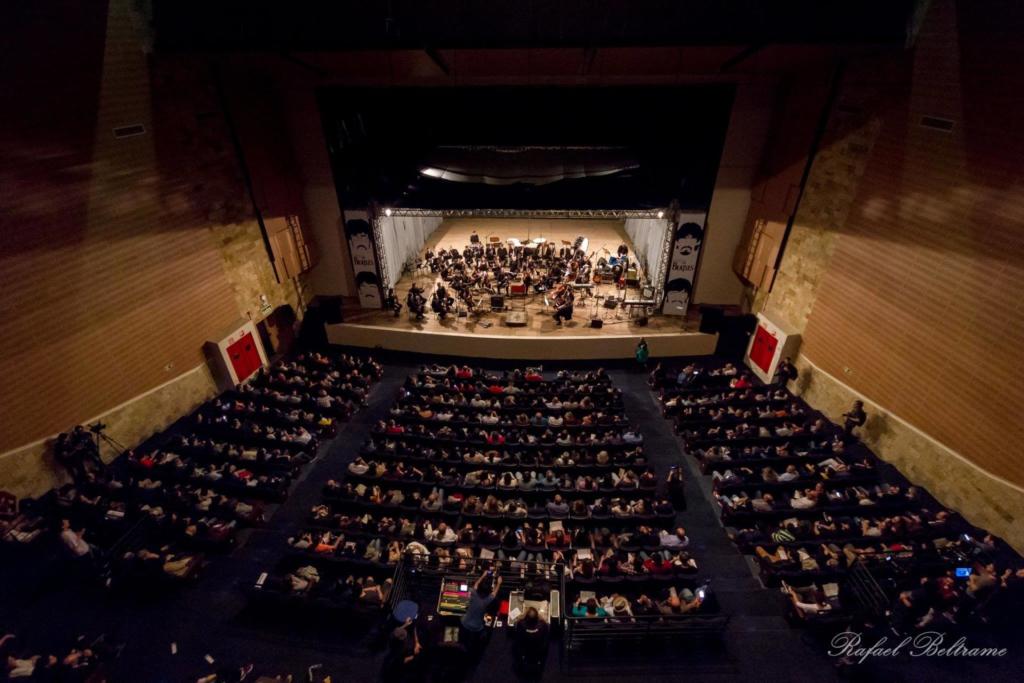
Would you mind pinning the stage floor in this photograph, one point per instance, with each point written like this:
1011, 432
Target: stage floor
605, 236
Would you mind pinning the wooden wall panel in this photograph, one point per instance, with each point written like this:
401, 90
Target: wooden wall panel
921, 308
111, 280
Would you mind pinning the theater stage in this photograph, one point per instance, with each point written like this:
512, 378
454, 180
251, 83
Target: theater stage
487, 336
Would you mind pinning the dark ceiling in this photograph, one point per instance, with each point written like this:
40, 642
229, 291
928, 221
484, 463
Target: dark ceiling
526, 148
311, 25
472, 140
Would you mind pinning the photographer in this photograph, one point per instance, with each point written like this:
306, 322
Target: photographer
77, 451
855, 418
785, 373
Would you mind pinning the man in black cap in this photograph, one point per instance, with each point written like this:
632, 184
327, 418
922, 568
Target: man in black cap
786, 372
855, 418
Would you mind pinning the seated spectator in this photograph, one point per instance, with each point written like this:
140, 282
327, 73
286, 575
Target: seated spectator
75, 541
590, 608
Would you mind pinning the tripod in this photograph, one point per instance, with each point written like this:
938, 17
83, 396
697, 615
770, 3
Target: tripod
99, 436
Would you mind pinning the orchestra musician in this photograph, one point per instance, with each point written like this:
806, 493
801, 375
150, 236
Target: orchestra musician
441, 302
491, 268
391, 301
564, 300
416, 302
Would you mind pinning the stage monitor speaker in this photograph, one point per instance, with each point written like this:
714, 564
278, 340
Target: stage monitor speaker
497, 302
515, 319
711, 319
642, 321
597, 323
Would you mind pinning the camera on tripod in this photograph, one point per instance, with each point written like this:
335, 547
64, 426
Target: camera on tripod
97, 427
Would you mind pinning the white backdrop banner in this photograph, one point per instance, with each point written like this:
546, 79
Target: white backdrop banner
402, 238
359, 234
648, 237
686, 241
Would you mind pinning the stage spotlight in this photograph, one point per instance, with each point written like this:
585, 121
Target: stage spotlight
387, 212
661, 214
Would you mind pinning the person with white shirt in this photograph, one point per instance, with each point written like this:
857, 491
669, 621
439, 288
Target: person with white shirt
807, 608
675, 540
442, 533
790, 474
632, 436
75, 540
803, 501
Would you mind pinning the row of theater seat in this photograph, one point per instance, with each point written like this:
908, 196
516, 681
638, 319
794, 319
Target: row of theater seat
155, 511
811, 502
409, 496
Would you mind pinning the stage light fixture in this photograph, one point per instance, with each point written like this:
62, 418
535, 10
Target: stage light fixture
387, 212
661, 214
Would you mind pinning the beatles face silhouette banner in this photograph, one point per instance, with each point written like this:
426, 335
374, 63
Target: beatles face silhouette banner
361, 248
686, 241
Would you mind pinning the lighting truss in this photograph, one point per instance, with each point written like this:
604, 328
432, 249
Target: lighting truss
530, 213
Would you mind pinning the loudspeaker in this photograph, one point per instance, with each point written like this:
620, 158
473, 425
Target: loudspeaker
642, 321
611, 303
597, 323
734, 335
322, 309
330, 308
711, 319
497, 302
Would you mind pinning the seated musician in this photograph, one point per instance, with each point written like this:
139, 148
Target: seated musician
437, 305
416, 302
432, 260
467, 298
564, 305
502, 281
442, 302
527, 280
391, 302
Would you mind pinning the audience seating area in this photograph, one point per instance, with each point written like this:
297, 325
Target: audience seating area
523, 472
811, 502
151, 516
